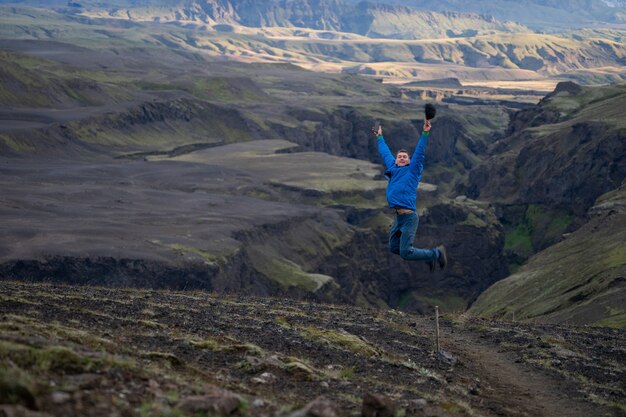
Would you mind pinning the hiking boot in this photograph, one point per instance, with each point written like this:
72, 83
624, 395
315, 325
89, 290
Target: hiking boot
443, 257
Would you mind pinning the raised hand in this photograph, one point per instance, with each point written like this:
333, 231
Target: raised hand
427, 125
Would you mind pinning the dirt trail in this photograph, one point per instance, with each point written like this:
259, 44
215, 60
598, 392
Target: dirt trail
511, 388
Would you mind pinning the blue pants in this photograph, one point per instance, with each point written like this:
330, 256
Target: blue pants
401, 238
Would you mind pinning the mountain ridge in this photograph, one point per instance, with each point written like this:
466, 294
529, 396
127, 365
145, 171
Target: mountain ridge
367, 19
548, 16
455, 50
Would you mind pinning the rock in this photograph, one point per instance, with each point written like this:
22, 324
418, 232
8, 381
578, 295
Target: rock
254, 364
264, 378
300, 370
320, 407
417, 404
446, 357
376, 405
416, 408
567, 87
81, 381
219, 401
59, 397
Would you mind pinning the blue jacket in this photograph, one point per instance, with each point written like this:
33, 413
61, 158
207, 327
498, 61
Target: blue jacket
403, 181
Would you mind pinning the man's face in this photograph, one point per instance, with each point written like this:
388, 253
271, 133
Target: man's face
402, 159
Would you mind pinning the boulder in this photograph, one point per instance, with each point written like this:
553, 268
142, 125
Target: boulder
219, 401
320, 407
377, 405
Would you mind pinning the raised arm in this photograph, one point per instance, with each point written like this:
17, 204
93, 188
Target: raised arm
417, 161
383, 149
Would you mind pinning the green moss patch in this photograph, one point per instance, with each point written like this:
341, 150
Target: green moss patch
288, 273
537, 227
17, 145
227, 89
58, 359
225, 343
474, 220
185, 250
519, 240
616, 319
341, 340
17, 386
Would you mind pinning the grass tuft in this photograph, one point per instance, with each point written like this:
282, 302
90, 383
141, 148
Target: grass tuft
341, 340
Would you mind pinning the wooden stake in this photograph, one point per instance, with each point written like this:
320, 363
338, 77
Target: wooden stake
437, 325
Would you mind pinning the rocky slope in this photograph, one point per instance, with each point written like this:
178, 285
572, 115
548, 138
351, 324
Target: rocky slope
76, 350
579, 280
557, 159
546, 178
21, 86
54, 108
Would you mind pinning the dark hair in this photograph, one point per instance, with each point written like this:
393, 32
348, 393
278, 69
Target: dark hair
402, 150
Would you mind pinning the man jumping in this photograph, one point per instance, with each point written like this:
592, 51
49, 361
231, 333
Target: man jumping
404, 176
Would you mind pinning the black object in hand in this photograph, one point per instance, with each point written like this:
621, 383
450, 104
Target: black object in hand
430, 111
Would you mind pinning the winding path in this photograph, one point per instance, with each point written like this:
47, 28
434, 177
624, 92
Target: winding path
513, 389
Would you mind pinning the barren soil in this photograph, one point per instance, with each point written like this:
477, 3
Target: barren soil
78, 350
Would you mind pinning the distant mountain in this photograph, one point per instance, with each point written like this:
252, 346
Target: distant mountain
545, 15
368, 19
547, 54
357, 15
450, 45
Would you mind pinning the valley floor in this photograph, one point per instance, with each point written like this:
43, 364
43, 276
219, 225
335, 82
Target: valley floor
79, 350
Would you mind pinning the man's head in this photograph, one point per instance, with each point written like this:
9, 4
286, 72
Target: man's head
402, 158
